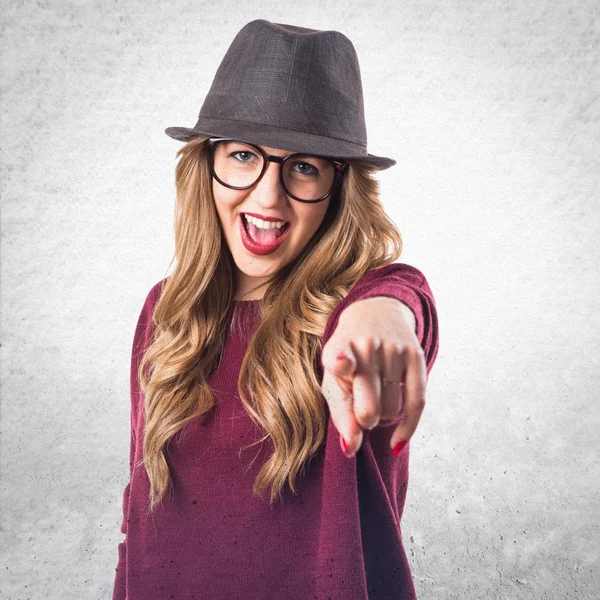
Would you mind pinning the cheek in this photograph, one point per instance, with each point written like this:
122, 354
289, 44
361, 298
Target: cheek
316, 217
310, 225
225, 200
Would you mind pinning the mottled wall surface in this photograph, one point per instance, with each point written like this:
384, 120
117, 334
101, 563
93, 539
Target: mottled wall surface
492, 110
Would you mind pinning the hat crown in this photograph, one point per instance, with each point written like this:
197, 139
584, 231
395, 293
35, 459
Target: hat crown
288, 87
290, 77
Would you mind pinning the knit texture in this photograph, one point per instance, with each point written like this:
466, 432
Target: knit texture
338, 538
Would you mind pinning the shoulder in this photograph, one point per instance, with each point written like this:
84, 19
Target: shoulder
145, 322
153, 295
156, 290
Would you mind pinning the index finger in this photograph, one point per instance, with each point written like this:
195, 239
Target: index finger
415, 384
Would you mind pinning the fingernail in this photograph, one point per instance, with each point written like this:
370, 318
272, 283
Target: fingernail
345, 447
398, 447
341, 356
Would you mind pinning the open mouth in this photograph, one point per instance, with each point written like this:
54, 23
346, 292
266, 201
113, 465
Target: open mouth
261, 236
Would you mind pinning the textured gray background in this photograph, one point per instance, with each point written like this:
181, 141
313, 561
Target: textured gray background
491, 109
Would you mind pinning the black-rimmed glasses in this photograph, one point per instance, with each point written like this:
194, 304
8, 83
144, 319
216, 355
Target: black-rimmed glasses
304, 177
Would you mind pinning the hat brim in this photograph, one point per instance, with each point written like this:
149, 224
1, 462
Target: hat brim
276, 137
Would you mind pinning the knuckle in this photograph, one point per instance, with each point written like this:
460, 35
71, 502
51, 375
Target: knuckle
391, 347
360, 340
367, 341
399, 348
415, 350
367, 417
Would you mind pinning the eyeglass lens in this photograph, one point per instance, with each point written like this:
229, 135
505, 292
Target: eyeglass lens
239, 165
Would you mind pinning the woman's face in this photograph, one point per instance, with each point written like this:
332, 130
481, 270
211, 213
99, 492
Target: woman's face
255, 264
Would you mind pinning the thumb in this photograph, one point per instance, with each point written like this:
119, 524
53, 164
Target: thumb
345, 364
342, 365
339, 361
339, 367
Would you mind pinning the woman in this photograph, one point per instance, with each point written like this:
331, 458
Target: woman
285, 327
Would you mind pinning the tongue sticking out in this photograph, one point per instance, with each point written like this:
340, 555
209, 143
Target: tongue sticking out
264, 236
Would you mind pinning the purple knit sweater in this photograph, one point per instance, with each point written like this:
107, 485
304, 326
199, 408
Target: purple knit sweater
339, 538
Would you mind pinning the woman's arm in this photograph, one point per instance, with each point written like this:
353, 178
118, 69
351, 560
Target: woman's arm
385, 334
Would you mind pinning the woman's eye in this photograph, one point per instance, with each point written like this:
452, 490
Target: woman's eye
243, 155
306, 168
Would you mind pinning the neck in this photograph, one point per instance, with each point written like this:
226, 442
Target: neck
255, 293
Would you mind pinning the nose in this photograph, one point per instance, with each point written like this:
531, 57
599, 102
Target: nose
268, 190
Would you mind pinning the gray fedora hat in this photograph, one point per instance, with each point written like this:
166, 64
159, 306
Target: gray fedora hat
288, 87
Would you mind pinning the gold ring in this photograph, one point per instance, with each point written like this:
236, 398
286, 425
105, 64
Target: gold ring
388, 382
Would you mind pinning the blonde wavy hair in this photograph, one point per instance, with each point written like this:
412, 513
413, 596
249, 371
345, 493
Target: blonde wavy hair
191, 318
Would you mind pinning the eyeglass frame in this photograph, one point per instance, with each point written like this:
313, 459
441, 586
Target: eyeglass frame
339, 166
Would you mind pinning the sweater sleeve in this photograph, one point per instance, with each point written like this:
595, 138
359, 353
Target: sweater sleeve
407, 284
141, 340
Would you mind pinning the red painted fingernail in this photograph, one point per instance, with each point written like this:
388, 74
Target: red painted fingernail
341, 356
398, 447
344, 447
